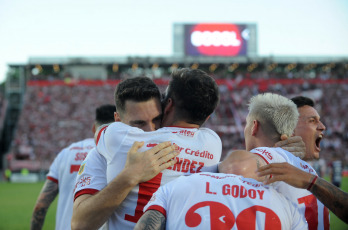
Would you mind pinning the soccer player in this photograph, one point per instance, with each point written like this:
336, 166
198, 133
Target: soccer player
331, 196
62, 174
222, 201
311, 129
263, 118
190, 98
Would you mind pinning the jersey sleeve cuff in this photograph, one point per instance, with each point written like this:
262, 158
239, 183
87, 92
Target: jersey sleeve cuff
85, 191
52, 179
158, 208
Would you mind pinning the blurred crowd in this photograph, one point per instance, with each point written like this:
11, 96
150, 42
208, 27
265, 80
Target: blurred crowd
56, 114
3, 106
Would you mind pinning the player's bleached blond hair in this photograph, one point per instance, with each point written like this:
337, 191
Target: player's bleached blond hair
277, 114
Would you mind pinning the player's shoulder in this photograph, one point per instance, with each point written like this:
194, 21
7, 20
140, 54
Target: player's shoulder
94, 156
295, 160
216, 176
208, 131
265, 151
210, 136
115, 131
271, 154
262, 148
120, 126
88, 143
85, 144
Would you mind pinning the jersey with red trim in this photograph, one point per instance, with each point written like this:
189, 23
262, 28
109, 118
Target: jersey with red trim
63, 171
317, 215
91, 177
224, 201
198, 148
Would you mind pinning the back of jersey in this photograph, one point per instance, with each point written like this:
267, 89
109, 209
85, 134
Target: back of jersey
316, 214
63, 171
224, 201
198, 148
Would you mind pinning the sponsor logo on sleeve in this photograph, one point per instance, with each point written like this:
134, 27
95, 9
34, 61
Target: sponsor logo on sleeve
82, 168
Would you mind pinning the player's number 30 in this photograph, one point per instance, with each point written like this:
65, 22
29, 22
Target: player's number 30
221, 217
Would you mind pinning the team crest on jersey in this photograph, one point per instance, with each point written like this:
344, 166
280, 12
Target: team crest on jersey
82, 168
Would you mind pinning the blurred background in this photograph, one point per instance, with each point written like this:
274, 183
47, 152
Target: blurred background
61, 59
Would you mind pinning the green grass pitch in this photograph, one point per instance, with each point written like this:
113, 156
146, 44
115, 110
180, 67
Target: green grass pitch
17, 202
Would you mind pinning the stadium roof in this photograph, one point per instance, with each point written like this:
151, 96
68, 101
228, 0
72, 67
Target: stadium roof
174, 59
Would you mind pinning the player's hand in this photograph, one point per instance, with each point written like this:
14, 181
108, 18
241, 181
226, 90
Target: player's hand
294, 145
143, 166
285, 172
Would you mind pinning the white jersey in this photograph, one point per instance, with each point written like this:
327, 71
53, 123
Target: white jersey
198, 148
224, 201
317, 215
63, 171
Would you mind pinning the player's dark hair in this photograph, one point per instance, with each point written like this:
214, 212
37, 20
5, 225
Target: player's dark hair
136, 89
195, 95
302, 101
104, 114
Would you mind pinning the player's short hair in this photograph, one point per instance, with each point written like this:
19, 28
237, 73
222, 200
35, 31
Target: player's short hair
195, 95
302, 101
138, 89
277, 114
104, 114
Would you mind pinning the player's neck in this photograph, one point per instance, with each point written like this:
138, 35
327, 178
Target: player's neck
263, 142
184, 124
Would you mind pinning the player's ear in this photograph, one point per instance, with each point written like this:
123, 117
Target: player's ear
255, 127
168, 106
117, 116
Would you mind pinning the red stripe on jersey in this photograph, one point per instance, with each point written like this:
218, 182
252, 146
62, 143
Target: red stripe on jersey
85, 191
262, 158
99, 134
158, 208
52, 179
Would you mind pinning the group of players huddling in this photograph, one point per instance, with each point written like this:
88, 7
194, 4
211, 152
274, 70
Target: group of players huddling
156, 167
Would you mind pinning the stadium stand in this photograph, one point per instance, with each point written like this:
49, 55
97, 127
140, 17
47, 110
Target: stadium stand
57, 112
3, 107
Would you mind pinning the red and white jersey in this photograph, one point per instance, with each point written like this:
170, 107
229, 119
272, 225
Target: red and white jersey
317, 215
63, 171
198, 148
224, 201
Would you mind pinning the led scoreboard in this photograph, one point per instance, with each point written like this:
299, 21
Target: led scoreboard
213, 39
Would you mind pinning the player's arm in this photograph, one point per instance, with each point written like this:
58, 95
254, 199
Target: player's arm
152, 220
294, 145
91, 211
47, 195
331, 196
